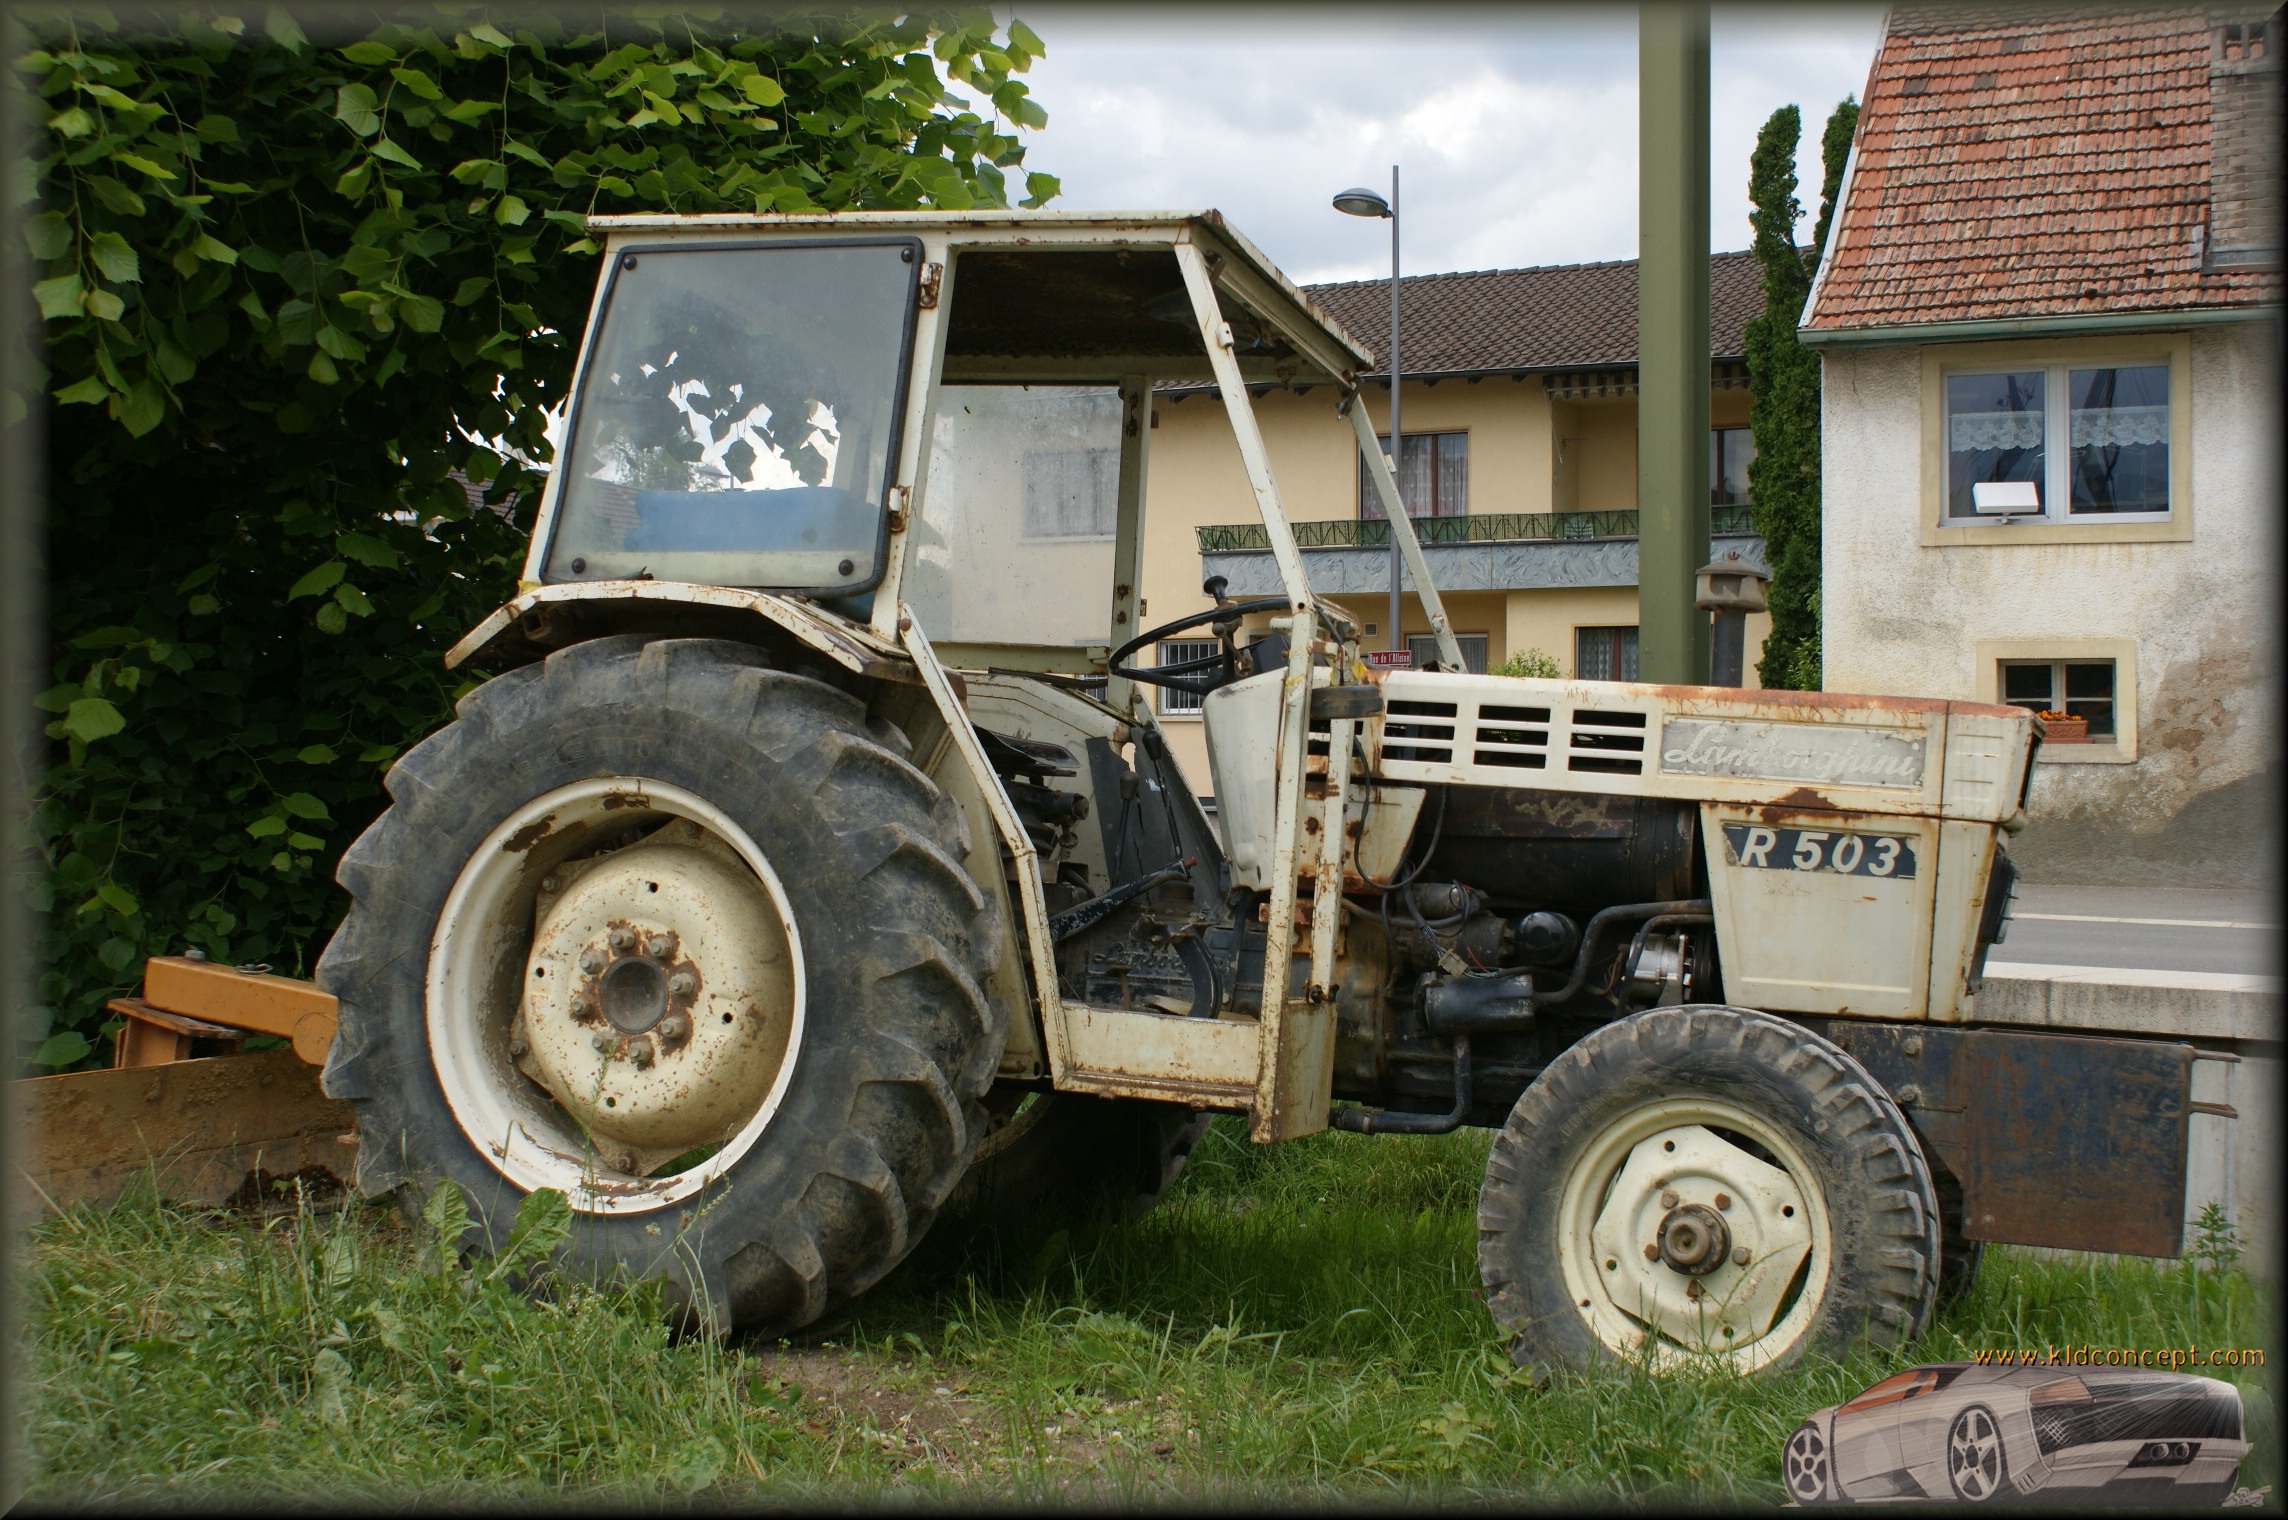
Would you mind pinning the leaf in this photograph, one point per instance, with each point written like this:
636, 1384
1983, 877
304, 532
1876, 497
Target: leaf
61, 1050
331, 618
266, 826
322, 369
91, 389
202, 605
419, 83
324, 578
762, 89
316, 754
214, 250
71, 122
385, 149
543, 1222
303, 805
139, 163
304, 842
485, 31
369, 52
279, 27
116, 952
113, 259
118, 899
143, 408
365, 550
423, 314
48, 235
115, 196
92, 718
104, 306
58, 298
354, 108
512, 211
446, 1213
352, 600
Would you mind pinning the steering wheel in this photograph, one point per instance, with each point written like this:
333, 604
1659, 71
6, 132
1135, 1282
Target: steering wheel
1199, 676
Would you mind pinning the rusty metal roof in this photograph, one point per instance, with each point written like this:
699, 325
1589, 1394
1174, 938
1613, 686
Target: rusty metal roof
1554, 317
2025, 163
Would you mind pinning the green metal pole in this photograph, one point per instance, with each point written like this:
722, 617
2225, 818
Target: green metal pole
1672, 339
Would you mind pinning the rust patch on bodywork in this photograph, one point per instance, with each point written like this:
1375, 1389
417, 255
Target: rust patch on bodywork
1802, 799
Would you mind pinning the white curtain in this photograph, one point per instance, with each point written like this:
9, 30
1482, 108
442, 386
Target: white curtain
2112, 427
1975, 432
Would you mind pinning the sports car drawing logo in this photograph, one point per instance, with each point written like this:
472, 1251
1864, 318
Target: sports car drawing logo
1971, 1434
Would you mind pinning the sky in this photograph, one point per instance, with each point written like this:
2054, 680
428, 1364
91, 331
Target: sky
1515, 128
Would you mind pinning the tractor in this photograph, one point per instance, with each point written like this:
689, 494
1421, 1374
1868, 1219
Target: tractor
768, 917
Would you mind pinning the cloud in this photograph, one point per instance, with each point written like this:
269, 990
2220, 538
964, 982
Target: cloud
1515, 129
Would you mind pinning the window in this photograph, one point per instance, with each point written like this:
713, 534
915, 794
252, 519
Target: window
2092, 679
1604, 654
2077, 688
1729, 450
2092, 441
1175, 652
1072, 493
1433, 478
1425, 649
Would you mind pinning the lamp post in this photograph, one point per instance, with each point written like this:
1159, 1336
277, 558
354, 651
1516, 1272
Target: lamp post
1360, 201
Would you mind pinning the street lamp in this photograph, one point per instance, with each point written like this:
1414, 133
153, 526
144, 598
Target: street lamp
1360, 201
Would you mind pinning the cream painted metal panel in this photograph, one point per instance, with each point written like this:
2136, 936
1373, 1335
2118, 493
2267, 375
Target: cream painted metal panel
1123, 1053
1965, 856
1815, 939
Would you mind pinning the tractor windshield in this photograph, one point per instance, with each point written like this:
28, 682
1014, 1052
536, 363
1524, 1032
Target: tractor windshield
737, 417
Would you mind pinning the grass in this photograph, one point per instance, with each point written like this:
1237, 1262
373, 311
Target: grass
1296, 1322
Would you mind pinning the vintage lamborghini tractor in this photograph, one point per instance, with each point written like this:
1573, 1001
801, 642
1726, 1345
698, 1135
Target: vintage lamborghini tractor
798, 874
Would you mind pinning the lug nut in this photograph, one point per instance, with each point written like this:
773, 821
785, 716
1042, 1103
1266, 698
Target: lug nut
517, 1045
674, 1027
658, 946
1651, 1251
1723, 1200
600, 1041
682, 984
591, 961
1740, 1256
1669, 1199
642, 1054
549, 883
622, 940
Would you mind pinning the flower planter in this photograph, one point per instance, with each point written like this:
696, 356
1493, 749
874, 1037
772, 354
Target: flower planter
2065, 731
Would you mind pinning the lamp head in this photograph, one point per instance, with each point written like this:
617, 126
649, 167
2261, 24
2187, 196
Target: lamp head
1360, 201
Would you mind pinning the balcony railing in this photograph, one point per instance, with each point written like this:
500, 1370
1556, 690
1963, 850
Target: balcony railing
1496, 527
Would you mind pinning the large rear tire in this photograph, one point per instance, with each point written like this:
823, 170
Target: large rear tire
757, 1067
1705, 1184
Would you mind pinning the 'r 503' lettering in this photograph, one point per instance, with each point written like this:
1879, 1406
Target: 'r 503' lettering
1841, 850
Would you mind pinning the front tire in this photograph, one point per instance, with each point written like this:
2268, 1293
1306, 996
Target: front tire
775, 974
1705, 1184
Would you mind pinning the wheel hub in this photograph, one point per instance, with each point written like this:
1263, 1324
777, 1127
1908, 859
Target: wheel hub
657, 1000
1693, 1239
1697, 1242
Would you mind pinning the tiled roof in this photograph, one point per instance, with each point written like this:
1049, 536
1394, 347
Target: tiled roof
2025, 162
1563, 316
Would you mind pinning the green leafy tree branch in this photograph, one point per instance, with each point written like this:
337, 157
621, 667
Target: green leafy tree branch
308, 304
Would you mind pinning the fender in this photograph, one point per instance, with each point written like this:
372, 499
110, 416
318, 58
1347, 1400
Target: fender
542, 618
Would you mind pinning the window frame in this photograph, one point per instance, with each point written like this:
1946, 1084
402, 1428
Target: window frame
2057, 524
1993, 654
1716, 464
1200, 649
1367, 495
1615, 629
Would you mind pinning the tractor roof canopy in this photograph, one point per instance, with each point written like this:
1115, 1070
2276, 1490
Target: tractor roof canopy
1066, 297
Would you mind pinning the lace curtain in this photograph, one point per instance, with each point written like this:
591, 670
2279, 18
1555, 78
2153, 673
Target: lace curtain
1976, 432
2113, 427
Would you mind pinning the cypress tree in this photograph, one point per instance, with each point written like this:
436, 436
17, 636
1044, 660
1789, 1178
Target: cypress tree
1783, 478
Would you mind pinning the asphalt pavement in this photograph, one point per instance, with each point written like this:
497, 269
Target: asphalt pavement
2155, 929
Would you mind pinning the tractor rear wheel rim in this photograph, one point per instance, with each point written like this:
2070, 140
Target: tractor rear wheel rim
656, 1009
1621, 1200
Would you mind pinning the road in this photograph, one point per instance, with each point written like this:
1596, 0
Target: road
2212, 934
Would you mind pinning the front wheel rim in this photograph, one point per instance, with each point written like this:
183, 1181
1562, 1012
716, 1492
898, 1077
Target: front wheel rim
477, 1009
1625, 1246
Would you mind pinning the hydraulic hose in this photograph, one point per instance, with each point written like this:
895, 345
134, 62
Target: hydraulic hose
1381, 1121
